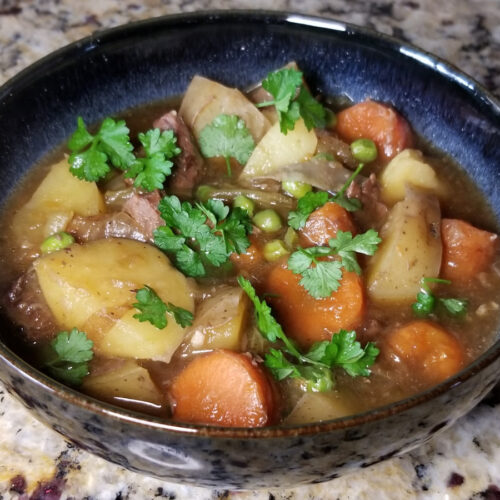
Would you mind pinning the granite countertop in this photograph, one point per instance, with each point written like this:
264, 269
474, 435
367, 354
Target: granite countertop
460, 463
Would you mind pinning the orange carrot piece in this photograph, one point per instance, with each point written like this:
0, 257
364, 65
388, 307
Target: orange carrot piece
252, 259
467, 250
324, 223
309, 320
378, 122
430, 350
223, 388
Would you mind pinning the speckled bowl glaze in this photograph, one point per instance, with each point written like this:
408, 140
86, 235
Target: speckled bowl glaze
139, 63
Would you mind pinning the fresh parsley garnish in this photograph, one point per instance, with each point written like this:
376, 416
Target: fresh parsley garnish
315, 366
427, 302
322, 277
151, 171
229, 137
201, 233
154, 310
311, 201
292, 100
91, 155
69, 356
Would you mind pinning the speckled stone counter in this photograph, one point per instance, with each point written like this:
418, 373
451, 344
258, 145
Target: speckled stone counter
460, 463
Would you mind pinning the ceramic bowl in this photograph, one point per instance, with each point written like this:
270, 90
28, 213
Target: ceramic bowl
138, 63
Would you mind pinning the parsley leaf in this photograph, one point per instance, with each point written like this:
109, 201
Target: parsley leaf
322, 277
292, 100
151, 171
427, 302
229, 137
315, 366
91, 154
201, 233
69, 356
154, 310
311, 201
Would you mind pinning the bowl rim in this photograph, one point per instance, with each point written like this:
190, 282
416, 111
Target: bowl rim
292, 21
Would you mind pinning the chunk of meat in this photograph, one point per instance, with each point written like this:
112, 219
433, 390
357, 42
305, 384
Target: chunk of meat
26, 307
112, 225
143, 208
378, 122
329, 143
367, 191
189, 163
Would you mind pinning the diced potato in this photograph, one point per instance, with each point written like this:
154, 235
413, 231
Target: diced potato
92, 287
206, 99
220, 321
276, 150
59, 196
408, 169
126, 383
410, 250
318, 406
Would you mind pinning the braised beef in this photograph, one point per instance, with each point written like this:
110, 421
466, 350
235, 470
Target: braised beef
26, 306
143, 208
189, 164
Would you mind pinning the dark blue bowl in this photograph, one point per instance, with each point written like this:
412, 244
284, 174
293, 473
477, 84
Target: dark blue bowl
142, 62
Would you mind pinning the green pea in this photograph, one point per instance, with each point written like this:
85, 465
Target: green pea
291, 238
56, 241
330, 118
204, 193
267, 220
364, 150
275, 249
244, 203
296, 188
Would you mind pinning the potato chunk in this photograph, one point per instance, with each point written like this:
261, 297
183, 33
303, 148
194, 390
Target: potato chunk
408, 169
59, 196
317, 407
92, 287
206, 99
220, 321
276, 150
410, 250
125, 384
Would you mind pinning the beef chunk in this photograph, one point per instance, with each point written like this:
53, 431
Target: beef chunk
112, 225
189, 163
143, 208
368, 192
26, 306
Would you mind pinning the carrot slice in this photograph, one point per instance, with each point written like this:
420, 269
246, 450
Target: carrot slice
430, 350
324, 223
467, 250
223, 388
309, 320
252, 259
378, 122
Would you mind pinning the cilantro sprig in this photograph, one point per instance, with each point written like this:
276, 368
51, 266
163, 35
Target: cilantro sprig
315, 366
292, 100
311, 201
92, 156
68, 357
427, 302
322, 277
229, 137
154, 310
151, 171
201, 233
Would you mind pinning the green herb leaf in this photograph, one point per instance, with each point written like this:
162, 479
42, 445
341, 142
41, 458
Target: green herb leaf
427, 302
312, 112
322, 277
227, 136
92, 155
206, 232
314, 367
305, 206
151, 171
154, 310
69, 358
